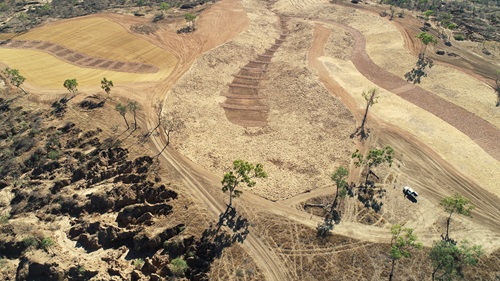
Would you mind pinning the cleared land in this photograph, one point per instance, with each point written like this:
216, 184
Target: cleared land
95, 37
313, 92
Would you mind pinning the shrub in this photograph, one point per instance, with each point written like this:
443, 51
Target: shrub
4, 219
178, 266
53, 155
138, 263
30, 242
452, 26
459, 37
46, 243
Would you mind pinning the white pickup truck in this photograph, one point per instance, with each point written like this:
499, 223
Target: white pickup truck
409, 191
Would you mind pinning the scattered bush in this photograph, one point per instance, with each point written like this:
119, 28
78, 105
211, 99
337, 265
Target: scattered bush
459, 37
178, 266
30, 242
4, 219
54, 155
138, 263
46, 243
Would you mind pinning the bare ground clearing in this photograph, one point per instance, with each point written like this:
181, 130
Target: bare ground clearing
305, 121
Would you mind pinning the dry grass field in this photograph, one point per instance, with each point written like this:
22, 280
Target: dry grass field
96, 37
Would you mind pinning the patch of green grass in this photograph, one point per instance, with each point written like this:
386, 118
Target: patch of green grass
138, 263
46, 243
31, 242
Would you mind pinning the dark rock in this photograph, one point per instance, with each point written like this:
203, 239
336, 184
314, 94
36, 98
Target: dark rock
90, 243
187, 6
12, 249
58, 185
76, 273
440, 52
67, 127
3, 184
130, 178
155, 277
148, 268
28, 270
136, 276
78, 174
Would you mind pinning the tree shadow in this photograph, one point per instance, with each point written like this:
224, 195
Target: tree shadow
363, 133
415, 75
216, 238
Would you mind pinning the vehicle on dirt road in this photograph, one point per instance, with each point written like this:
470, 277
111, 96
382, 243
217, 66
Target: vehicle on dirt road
408, 191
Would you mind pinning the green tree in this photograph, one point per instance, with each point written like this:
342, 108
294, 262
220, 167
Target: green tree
339, 177
14, 77
122, 110
243, 172
190, 19
448, 259
106, 85
374, 158
71, 85
427, 39
402, 243
456, 204
134, 107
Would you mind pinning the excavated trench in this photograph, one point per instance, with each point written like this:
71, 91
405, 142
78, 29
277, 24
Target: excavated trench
244, 106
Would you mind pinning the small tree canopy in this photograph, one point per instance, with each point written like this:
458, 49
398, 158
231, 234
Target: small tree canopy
339, 177
374, 158
403, 240
106, 85
164, 6
457, 204
189, 17
243, 172
70, 85
427, 38
14, 76
402, 243
122, 109
448, 259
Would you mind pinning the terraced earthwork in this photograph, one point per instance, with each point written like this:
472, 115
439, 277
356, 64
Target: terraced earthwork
79, 59
244, 106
